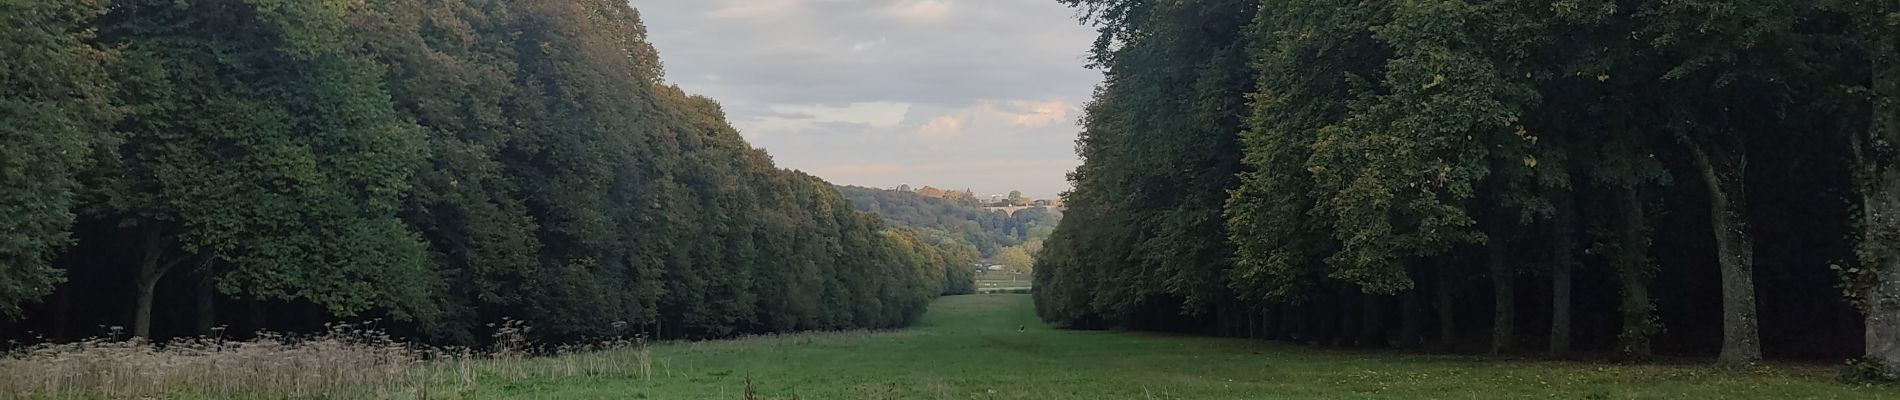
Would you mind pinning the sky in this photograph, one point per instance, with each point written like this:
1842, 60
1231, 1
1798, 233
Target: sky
955, 94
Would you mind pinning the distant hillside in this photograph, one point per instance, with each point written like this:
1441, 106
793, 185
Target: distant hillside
989, 231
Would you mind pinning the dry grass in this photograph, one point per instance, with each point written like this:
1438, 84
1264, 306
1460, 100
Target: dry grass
342, 363
967, 347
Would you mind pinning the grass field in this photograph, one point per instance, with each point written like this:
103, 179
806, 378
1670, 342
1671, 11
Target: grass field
968, 347
1002, 282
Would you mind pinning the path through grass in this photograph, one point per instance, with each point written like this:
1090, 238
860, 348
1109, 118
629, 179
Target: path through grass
968, 347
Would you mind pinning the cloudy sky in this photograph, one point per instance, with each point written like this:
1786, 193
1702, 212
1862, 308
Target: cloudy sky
978, 94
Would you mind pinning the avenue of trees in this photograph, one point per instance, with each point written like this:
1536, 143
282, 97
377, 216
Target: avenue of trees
1715, 178
171, 167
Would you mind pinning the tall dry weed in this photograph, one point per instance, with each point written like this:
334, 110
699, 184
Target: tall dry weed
343, 362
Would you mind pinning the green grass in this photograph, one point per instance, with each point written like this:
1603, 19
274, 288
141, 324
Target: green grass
1002, 281
968, 347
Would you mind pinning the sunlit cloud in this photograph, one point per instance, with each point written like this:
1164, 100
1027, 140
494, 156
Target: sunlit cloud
942, 127
1044, 113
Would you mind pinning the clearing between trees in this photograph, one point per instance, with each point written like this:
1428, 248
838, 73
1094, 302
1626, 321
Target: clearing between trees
969, 347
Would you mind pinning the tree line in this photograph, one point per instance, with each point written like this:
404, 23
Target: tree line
189, 167
1698, 177
960, 219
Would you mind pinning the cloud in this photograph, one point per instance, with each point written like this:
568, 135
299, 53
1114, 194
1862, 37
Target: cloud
900, 82
786, 115
942, 127
980, 164
1005, 174
875, 113
752, 9
919, 11
1043, 114
867, 45
991, 115
839, 128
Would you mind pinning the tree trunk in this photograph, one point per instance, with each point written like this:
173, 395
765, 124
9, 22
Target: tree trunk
205, 284
260, 316
1880, 190
1371, 320
1348, 320
1253, 324
62, 309
1316, 319
149, 272
315, 316
1503, 289
1241, 318
1447, 307
1410, 316
1560, 267
1296, 324
142, 310
1735, 250
1269, 322
1633, 269
1881, 301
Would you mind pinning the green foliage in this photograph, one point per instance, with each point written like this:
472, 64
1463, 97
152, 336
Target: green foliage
1015, 260
989, 231
52, 113
552, 198
1143, 226
1280, 245
448, 164
1867, 371
1345, 151
273, 151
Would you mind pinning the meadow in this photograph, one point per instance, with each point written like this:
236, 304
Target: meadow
969, 347
993, 347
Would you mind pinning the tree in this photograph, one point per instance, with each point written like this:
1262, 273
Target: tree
987, 230
1749, 41
1385, 142
1597, 147
1143, 230
271, 156
1416, 168
1015, 260
1875, 280
52, 115
438, 166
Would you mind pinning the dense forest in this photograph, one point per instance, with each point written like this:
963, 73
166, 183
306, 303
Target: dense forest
955, 218
433, 168
1708, 178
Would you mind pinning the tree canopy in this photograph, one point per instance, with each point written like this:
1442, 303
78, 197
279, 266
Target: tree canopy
438, 167
1326, 172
